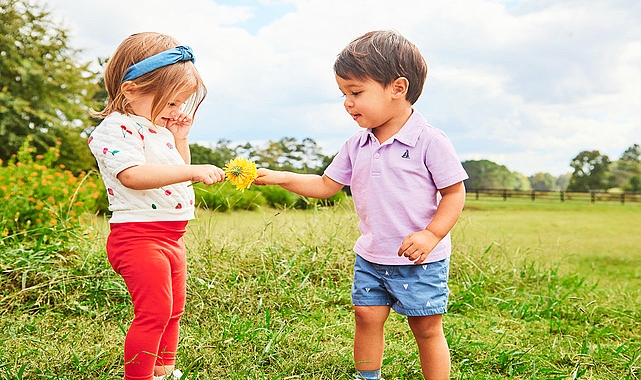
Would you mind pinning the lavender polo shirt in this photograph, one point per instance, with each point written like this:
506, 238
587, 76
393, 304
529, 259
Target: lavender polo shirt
395, 186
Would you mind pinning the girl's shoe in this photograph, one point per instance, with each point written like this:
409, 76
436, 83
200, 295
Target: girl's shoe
176, 375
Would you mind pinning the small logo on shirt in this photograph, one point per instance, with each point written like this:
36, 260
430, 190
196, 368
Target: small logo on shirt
406, 154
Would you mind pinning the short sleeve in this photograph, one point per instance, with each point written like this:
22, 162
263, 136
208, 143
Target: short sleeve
118, 144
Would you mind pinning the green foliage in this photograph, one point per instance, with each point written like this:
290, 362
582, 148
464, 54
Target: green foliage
224, 197
278, 197
484, 174
627, 170
218, 155
543, 181
305, 202
285, 154
44, 92
591, 172
36, 197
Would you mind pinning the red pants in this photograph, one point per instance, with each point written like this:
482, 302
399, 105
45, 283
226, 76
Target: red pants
150, 257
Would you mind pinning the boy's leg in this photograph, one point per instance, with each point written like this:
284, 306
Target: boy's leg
432, 346
369, 339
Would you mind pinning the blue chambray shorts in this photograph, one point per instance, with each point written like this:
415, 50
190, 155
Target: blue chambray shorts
412, 290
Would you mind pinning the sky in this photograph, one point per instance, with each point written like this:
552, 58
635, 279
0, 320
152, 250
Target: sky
528, 84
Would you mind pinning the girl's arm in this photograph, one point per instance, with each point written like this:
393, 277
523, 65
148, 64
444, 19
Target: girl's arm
145, 177
308, 185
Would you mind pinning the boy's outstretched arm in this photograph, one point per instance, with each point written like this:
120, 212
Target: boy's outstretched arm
308, 185
418, 245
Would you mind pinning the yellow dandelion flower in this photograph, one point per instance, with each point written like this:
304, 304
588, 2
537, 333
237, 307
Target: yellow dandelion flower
241, 172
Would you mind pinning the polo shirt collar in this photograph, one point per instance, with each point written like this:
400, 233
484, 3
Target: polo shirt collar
407, 135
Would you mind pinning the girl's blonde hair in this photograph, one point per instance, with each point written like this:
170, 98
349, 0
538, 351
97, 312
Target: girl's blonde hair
163, 83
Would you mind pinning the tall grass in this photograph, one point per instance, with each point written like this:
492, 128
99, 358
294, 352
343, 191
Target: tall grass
538, 292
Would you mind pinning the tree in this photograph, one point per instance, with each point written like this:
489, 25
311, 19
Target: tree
626, 171
486, 174
218, 155
543, 182
563, 181
44, 91
285, 154
591, 172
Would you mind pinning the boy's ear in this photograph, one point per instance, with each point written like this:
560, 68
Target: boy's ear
400, 87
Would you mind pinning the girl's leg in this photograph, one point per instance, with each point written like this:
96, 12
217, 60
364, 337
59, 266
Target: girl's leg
139, 254
369, 339
169, 341
432, 346
149, 283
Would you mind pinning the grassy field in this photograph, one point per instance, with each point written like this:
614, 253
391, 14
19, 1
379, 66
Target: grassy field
539, 291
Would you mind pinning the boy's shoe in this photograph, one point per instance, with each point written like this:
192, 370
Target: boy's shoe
176, 375
359, 377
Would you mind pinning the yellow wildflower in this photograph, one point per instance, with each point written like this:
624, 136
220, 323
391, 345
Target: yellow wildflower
241, 172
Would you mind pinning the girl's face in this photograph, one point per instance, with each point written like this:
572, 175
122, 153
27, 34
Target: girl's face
142, 104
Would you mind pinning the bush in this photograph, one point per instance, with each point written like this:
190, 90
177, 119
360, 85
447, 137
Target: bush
36, 196
305, 202
224, 197
278, 197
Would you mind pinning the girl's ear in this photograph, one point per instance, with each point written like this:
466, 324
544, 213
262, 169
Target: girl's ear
400, 87
129, 89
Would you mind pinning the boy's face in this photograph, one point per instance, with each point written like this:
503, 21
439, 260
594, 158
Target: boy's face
368, 102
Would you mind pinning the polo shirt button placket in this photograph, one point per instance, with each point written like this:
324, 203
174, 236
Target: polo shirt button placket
376, 164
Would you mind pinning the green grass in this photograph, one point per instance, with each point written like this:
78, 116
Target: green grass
539, 291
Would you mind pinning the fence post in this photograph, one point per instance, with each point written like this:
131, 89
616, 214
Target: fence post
505, 195
562, 196
592, 196
533, 196
477, 194
622, 198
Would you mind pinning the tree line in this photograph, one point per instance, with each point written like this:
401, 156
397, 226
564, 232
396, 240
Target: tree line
591, 171
46, 94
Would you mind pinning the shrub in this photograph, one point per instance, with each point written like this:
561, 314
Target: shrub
277, 197
36, 196
305, 202
224, 197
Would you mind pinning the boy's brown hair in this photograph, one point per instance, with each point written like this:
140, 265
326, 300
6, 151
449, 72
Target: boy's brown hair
383, 56
164, 83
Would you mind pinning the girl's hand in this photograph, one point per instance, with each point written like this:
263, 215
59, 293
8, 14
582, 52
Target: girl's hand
207, 174
179, 126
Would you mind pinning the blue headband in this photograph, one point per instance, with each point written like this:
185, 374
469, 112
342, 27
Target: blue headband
166, 58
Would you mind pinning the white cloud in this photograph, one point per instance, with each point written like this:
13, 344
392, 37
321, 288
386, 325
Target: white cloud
527, 84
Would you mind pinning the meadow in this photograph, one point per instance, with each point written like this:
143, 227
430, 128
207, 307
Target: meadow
539, 291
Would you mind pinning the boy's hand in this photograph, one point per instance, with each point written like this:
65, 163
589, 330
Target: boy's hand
267, 177
207, 174
418, 245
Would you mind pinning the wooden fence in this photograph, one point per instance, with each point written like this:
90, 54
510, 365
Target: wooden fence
557, 196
